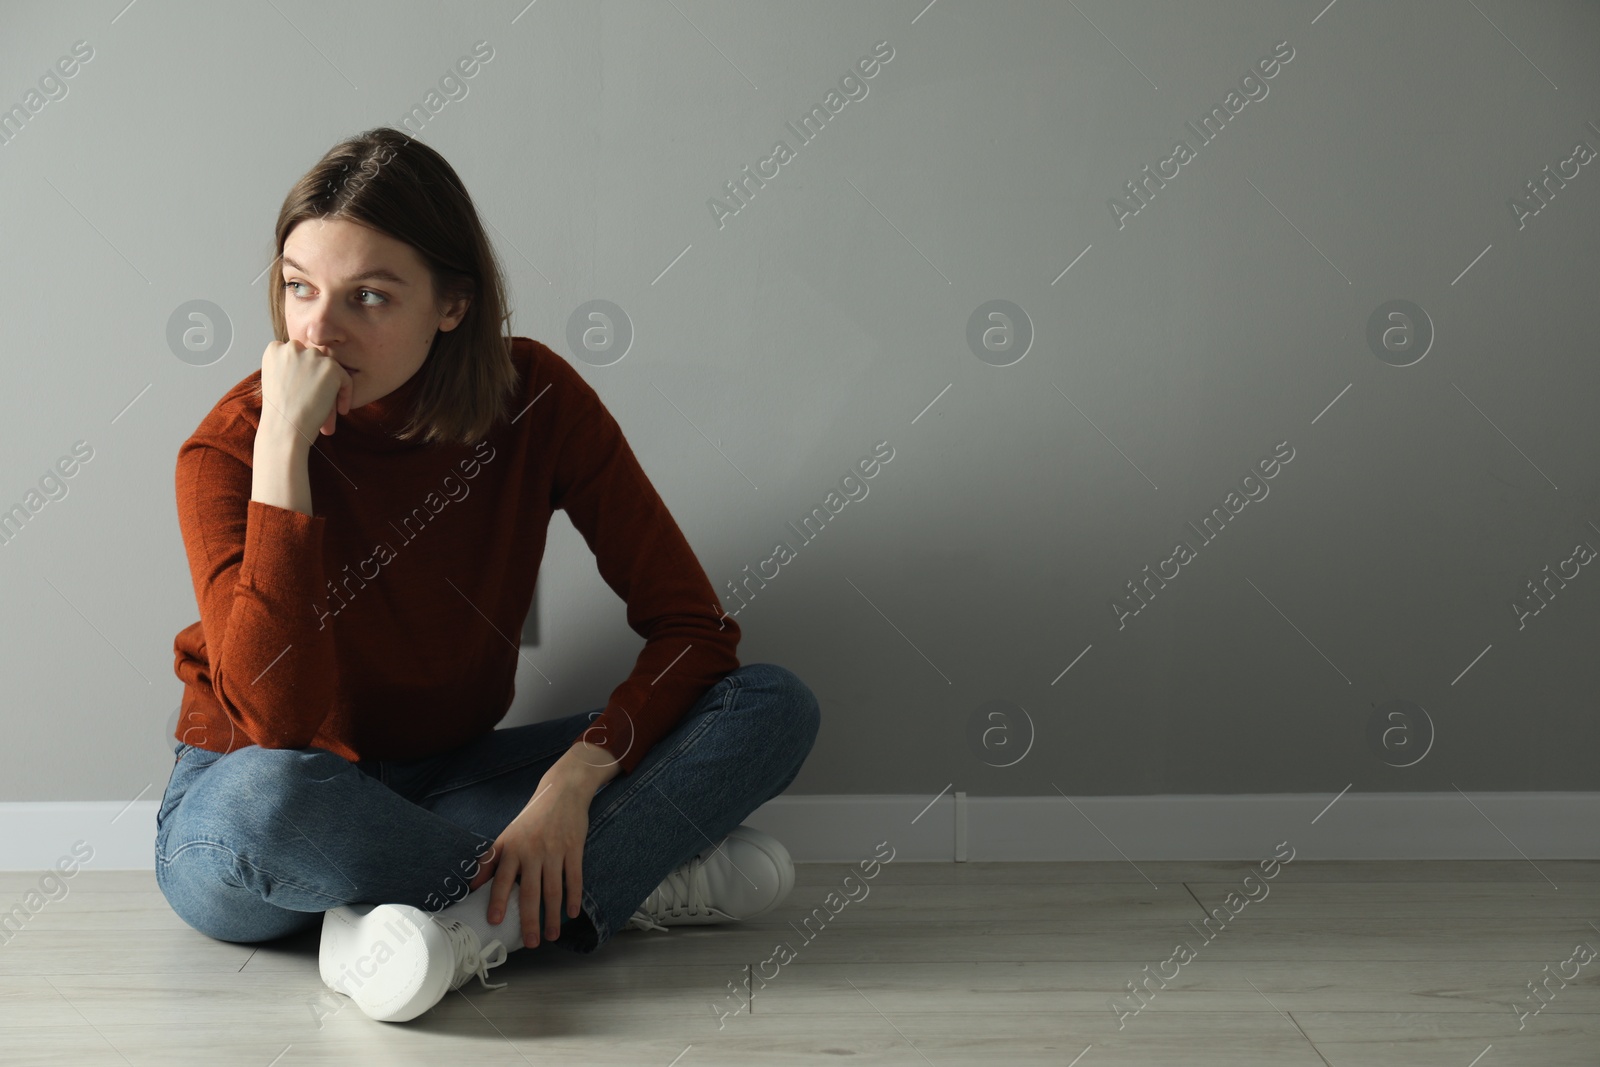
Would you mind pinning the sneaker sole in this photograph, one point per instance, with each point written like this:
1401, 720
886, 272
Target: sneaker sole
379, 956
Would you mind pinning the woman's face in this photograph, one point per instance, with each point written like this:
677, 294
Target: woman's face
366, 298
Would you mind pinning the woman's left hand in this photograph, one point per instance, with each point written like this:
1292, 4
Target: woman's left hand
539, 846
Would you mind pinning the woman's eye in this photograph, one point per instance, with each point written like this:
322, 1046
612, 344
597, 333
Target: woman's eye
368, 292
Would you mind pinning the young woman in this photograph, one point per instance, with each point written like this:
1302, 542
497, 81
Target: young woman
364, 520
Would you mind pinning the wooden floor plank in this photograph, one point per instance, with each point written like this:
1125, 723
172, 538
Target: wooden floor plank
1407, 964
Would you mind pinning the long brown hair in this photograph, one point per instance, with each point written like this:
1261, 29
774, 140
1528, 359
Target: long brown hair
384, 179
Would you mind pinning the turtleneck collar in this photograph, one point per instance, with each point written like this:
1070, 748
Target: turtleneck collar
373, 426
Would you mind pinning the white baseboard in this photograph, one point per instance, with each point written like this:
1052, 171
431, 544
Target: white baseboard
845, 828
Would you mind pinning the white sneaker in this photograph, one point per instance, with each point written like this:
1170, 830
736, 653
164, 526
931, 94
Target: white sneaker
397, 961
749, 872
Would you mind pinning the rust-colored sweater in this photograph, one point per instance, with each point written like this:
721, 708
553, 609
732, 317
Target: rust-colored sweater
386, 624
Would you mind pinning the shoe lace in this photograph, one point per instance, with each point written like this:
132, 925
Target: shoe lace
471, 958
683, 893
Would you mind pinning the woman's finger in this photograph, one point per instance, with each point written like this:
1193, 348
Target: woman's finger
552, 896
485, 871
530, 907
505, 877
574, 881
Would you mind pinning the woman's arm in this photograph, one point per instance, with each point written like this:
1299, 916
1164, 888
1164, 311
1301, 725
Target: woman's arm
642, 555
256, 564
586, 764
281, 466
298, 379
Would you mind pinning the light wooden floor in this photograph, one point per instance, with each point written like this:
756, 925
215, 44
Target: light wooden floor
1377, 964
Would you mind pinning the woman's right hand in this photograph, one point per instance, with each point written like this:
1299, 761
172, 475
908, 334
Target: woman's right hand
303, 388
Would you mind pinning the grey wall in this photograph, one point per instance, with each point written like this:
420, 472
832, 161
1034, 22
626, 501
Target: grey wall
771, 352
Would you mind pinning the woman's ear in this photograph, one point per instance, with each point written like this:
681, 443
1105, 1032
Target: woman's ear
454, 312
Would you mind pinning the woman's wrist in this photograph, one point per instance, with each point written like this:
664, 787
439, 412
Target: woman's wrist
280, 469
588, 764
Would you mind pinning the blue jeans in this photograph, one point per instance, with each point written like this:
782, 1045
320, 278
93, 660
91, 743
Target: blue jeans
255, 844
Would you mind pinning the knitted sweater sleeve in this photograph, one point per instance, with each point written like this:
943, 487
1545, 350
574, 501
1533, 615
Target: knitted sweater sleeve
257, 571
643, 556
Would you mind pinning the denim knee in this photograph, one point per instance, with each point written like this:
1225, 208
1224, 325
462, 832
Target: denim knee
789, 699
199, 849
793, 698
200, 886
262, 786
